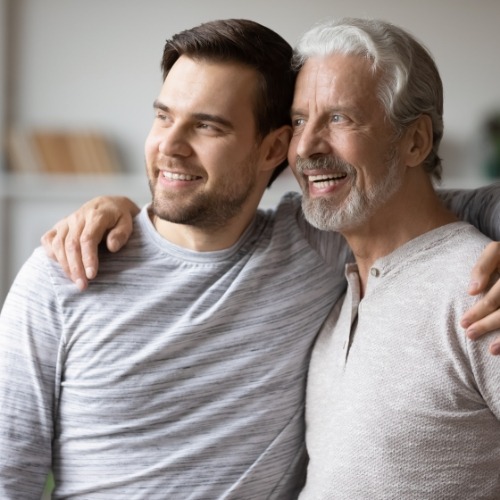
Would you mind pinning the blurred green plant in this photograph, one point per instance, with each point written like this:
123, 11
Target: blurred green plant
49, 486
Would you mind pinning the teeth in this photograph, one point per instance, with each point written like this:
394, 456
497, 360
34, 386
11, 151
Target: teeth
325, 177
178, 177
326, 180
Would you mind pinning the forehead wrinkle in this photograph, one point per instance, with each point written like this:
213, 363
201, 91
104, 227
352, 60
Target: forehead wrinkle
305, 90
338, 83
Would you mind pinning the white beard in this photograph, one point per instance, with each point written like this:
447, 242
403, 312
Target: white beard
329, 214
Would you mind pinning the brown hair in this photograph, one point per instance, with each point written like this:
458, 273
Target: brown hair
249, 43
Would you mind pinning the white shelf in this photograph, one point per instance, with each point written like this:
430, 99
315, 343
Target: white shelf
40, 187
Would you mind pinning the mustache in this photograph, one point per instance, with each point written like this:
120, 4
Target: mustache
323, 163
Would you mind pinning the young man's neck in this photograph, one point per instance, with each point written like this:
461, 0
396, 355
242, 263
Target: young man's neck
413, 211
205, 238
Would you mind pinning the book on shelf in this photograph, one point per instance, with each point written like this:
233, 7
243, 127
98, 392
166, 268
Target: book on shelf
49, 151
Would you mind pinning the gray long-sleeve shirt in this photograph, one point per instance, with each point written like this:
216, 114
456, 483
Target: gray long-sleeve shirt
177, 374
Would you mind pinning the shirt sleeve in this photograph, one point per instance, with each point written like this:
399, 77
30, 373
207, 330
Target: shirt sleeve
480, 207
30, 330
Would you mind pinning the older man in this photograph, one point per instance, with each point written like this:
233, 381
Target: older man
400, 404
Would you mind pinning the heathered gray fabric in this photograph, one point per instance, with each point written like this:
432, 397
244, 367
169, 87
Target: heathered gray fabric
400, 404
176, 375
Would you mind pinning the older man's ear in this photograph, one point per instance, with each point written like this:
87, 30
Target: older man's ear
417, 141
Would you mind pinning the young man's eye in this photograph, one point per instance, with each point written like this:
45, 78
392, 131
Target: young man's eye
209, 127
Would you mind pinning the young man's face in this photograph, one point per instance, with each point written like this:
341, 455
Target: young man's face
339, 120
202, 153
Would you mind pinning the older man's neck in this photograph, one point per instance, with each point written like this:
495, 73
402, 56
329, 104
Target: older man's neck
413, 211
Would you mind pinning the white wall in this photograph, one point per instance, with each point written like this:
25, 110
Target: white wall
96, 62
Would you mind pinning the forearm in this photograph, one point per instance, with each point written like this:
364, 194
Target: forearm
480, 207
27, 375
25, 433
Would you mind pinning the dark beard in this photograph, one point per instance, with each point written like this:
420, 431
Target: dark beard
203, 211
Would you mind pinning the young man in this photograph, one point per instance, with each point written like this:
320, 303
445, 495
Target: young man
181, 371
400, 404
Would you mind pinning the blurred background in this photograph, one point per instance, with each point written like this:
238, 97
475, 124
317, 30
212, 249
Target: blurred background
78, 78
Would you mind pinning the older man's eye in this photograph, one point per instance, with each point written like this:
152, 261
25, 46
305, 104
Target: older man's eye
298, 122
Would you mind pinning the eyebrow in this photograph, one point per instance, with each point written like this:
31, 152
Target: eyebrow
205, 117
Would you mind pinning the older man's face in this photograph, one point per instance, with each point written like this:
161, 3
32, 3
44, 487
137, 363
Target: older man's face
342, 151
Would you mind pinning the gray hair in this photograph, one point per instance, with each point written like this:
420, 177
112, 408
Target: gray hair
410, 84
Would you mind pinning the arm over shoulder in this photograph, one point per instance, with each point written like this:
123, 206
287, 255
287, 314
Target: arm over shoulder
480, 207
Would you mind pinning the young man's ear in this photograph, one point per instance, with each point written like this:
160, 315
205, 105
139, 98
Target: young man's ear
275, 147
418, 141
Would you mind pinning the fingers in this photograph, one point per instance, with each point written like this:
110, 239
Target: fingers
74, 241
46, 241
88, 227
63, 247
484, 316
119, 235
486, 325
495, 347
85, 253
487, 264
